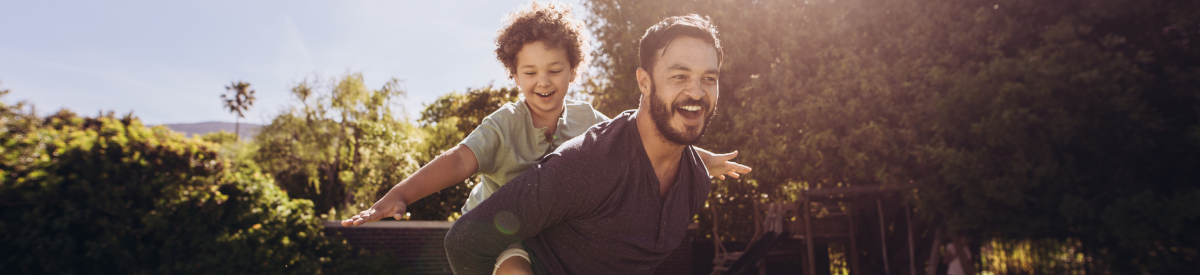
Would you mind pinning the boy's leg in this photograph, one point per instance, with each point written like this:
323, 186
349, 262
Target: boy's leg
513, 261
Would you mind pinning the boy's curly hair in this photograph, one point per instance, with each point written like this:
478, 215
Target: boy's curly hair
550, 23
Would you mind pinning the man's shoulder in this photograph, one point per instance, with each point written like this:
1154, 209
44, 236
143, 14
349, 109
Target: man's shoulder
699, 171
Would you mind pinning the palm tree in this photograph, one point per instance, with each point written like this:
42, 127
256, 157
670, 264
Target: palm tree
238, 99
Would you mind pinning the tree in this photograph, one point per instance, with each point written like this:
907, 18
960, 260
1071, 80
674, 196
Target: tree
238, 100
1071, 120
342, 148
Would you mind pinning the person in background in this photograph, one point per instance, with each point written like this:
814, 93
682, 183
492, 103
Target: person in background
956, 266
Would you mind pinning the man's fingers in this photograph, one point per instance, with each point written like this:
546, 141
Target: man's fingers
739, 168
726, 157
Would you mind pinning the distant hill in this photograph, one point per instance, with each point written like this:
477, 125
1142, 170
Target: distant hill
248, 130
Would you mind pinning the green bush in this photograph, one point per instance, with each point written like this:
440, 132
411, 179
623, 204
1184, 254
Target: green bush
109, 195
341, 147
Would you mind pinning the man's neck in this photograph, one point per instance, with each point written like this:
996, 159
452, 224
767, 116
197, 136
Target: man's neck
664, 155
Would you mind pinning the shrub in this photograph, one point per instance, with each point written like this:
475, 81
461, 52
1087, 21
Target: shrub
109, 195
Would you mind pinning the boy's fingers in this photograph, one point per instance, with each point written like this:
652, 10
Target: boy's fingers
352, 221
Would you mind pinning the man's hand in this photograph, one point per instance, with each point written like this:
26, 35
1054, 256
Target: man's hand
382, 208
719, 166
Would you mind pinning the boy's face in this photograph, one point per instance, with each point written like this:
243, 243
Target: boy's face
543, 75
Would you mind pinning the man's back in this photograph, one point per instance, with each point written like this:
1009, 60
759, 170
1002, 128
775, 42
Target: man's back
591, 207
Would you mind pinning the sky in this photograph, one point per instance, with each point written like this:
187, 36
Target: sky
169, 61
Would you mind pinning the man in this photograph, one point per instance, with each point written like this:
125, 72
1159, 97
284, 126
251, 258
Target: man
617, 199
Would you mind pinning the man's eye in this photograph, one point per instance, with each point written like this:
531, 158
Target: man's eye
710, 79
679, 77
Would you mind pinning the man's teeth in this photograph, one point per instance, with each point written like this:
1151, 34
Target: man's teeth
691, 108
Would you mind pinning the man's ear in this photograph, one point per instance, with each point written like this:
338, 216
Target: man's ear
644, 82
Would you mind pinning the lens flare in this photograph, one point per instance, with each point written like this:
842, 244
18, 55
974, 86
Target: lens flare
507, 223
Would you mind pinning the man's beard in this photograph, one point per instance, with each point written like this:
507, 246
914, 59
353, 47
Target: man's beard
661, 114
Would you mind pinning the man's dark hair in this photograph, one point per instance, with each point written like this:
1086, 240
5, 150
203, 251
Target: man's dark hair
550, 23
660, 35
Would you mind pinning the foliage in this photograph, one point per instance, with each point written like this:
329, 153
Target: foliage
1083, 128
232, 149
447, 121
342, 148
1012, 119
109, 195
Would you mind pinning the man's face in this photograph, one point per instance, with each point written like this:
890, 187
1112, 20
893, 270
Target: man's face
683, 95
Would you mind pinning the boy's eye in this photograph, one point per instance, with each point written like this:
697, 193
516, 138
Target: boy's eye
530, 73
554, 72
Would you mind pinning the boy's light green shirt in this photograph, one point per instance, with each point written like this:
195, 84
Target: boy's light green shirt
506, 143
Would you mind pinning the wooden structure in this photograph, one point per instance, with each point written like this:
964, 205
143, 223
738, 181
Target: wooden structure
819, 216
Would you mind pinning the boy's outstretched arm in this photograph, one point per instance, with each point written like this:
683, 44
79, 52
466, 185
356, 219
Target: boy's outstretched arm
719, 165
451, 167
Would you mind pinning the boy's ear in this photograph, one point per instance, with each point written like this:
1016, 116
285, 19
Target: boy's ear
574, 75
644, 82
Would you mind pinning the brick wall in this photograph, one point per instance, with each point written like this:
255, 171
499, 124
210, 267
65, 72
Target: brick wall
419, 244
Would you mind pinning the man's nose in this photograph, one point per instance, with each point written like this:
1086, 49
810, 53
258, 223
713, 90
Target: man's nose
694, 89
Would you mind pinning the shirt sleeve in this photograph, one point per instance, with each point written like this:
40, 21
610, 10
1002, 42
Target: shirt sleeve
543, 196
485, 142
599, 117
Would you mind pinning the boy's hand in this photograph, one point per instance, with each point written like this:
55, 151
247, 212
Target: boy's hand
719, 166
381, 209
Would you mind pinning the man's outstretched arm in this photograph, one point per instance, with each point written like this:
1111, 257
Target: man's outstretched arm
719, 166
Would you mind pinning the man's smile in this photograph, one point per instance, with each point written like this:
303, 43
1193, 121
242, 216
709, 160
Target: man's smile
689, 112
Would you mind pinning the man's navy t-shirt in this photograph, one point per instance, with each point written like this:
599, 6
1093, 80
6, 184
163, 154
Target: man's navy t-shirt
591, 207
